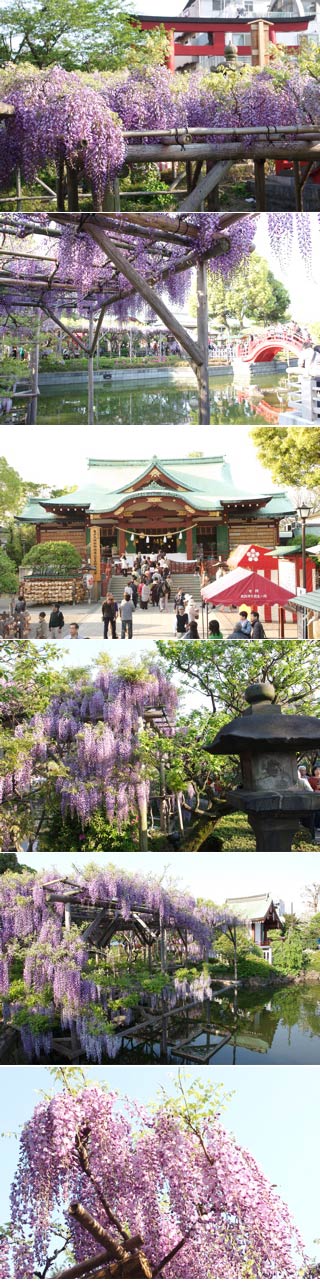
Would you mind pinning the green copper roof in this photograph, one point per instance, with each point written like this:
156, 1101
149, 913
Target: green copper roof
204, 483
250, 907
34, 512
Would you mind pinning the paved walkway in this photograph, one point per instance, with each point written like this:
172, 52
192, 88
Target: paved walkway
153, 624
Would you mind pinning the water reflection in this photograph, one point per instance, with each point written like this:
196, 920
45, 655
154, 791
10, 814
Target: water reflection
241, 1028
160, 402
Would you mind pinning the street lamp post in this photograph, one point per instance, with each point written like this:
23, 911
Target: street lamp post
303, 514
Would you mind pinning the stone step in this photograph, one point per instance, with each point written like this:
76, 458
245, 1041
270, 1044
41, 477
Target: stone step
189, 584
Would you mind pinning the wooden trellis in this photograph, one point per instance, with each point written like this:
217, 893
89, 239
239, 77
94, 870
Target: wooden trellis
112, 233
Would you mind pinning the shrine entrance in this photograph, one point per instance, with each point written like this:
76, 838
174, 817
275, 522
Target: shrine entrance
156, 544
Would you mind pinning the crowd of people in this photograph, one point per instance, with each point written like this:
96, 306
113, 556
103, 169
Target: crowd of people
147, 583
16, 623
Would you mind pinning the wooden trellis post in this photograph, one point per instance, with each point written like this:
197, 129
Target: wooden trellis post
33, 407
196, 354
163, 947
203, 341
90, 374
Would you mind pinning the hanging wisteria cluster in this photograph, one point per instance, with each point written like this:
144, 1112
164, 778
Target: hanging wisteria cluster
72, 272
196, 1189
79, 119
84, 278
93, 735
58, 985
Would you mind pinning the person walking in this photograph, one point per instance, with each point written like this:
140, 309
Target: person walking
124, 564
179, 598
257, 629
42, 627
181, 622
56, 621
109, 616
19, 613
74, 630
145, 595
126, 612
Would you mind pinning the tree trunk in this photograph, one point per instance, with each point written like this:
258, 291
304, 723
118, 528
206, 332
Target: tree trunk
72, 190
60, 188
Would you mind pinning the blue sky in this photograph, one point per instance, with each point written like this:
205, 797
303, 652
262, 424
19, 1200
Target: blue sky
284, 875
274, 1113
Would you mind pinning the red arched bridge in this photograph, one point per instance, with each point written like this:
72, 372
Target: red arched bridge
264, 346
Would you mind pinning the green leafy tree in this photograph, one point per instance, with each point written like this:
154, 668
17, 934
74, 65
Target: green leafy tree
255, 294
28, 679
13, 491
55, 557
292, 455
19, 538
8, 574
288, 951
86, 34
312, 933
221, 673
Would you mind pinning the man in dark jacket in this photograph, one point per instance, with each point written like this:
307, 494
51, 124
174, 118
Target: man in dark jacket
56, 621
109, 615
257, 629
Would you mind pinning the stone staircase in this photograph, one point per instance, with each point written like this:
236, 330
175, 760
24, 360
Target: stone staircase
189, 584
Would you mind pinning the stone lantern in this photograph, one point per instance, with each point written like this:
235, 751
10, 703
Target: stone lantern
267, 742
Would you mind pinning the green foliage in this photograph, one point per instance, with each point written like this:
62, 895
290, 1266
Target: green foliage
196, 1102
311, 933
288, 954
313, 961
13, 491
56, 557
19, 539
86, 34
254, 293
290, 454
8, 574
66, 834
146, 179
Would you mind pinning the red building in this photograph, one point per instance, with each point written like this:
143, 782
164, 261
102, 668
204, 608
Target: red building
219, 32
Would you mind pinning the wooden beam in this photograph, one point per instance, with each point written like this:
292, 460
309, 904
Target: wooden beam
301, 150
94, 226
205, 185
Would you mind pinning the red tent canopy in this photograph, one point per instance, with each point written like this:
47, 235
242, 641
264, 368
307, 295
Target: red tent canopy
245, 586
253, 556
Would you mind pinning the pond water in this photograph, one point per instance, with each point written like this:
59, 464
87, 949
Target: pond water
281, 1027
161, 402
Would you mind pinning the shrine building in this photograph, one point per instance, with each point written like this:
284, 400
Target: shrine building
190, 509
